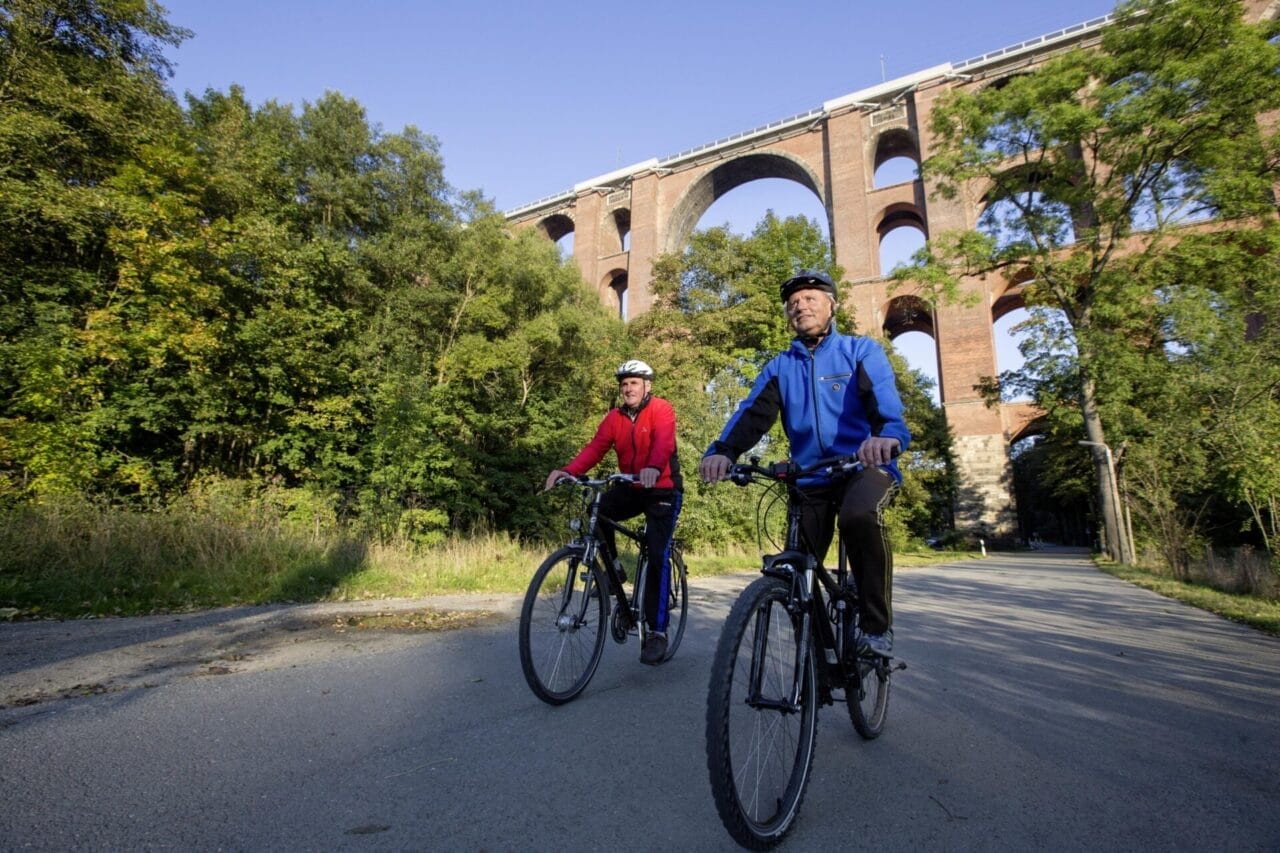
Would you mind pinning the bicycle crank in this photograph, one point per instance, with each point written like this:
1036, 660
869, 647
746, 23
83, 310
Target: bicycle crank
618, 624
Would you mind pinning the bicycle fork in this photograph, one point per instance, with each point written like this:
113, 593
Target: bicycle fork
799, 600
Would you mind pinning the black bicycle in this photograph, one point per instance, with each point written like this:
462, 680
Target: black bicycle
563, 621
791, 640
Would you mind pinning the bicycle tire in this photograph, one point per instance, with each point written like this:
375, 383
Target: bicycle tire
677, 603
562, 627
760, 759
867, 696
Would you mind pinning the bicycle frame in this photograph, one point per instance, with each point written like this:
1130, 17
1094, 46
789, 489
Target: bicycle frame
592, 546
818, 599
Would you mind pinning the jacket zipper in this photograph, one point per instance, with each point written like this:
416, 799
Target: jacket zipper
817, 414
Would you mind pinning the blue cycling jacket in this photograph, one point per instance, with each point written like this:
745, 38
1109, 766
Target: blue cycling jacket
830, 399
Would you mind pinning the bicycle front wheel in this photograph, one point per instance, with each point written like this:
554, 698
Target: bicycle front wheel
759, 741
868, 695
677, 602
562, 626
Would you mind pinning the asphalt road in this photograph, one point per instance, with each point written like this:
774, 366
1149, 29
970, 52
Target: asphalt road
1046, 706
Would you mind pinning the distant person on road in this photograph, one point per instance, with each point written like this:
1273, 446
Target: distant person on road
642, 433
837, 396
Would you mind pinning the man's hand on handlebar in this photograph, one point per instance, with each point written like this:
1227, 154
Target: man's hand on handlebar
877, 450
555, 477
714, 468
648, 477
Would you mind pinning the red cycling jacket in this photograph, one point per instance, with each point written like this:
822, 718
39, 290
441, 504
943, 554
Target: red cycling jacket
643, 439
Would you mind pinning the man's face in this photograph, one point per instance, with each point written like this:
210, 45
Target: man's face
809, 311
633, 389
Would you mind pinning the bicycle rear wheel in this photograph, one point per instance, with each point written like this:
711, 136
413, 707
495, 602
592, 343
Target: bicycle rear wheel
868, 695
562, 626
677, 602
760, 746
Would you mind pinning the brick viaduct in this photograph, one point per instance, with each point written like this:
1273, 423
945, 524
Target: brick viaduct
623, 220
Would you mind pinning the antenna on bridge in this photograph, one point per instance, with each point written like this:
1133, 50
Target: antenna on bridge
882, 72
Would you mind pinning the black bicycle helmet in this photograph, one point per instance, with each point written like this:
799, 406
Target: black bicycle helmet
634, 367
808, 279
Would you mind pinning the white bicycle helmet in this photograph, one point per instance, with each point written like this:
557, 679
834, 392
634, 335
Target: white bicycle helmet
634, 367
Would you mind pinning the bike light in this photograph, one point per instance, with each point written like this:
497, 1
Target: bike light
575, 524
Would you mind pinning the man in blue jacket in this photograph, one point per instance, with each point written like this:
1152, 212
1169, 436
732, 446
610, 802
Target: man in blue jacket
837, 396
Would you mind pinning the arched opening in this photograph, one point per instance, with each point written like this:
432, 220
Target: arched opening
902, 234
1051, 509
909, 325
1008, 314
556, 226
615, 292
1174, 196
559, 228
757, 168
1041, 333
742, 209
1022, 214
897, 158
622, 220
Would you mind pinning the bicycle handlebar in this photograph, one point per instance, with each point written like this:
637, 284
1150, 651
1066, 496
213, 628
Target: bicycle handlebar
584, 480
786, 471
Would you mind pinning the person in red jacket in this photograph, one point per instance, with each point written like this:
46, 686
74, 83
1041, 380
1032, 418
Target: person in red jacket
642, 433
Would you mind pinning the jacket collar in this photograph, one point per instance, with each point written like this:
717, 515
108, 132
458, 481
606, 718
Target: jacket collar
632, 412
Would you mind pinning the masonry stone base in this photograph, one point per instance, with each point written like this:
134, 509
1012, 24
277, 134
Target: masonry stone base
984, 505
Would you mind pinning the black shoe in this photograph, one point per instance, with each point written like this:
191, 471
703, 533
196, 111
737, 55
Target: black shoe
654, 649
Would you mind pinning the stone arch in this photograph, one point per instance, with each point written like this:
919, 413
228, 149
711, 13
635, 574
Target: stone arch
1024, 422
898, 215
613, 291
1014, 182
556, 226
907, 313
893, 143
1012, 298
730, 175
893, 217
622, 222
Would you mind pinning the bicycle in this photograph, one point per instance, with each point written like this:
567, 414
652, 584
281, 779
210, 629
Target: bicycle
790, 641
563, 617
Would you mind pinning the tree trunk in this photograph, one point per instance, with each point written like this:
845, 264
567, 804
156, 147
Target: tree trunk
1104, 475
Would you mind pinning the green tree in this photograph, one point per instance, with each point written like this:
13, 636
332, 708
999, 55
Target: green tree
1093, 163
1210, 393
95, 202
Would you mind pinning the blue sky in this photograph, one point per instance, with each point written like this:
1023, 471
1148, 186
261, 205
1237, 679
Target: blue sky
528, 99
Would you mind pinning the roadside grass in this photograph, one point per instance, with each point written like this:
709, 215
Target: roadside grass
81, 559
1255, 611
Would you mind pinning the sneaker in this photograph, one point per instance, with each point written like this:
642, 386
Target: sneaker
879, 644
654, 648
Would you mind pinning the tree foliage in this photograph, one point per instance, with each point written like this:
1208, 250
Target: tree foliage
1094, 170
266, 293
